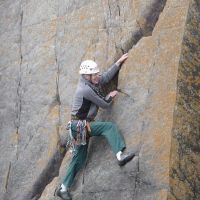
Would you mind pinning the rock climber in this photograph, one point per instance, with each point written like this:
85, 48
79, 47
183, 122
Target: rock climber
87, 100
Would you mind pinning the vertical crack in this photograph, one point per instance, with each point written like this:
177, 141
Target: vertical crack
57, 79
52, 168
137, 177
153, 69
107, 18
19, 92
7, 176
58, 76
118, 9
58, 68
137, 174
18, 105
109, 7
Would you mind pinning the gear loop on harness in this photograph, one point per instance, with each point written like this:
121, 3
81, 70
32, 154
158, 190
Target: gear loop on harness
77, 136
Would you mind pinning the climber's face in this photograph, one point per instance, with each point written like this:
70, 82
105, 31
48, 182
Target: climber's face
95, 78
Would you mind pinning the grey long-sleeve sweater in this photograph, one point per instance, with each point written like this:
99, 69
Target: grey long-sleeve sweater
88, 98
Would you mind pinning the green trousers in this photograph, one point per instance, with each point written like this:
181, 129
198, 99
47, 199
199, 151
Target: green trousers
106, 129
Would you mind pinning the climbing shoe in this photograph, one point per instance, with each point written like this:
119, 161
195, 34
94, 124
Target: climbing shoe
63, 195
125, 158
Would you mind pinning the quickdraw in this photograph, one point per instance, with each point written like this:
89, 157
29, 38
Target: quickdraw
82, 128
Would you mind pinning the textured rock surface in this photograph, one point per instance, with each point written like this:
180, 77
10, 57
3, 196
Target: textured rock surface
185, 151
42, 45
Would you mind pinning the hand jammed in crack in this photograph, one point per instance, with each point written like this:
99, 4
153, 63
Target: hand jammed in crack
122, 59
119, 62
113, 93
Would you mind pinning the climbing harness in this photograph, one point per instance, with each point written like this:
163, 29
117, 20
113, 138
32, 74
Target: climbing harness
82, 134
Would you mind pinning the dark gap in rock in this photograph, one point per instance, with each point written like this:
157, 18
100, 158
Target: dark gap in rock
118, 9
7, 176
152, 18
48, 174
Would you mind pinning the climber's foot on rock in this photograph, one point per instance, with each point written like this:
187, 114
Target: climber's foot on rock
125, 158
64, 195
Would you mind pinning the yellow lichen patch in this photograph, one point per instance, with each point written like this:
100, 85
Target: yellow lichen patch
48, 193
15, 137
82, 17
134, 140
53, 112
41, 163
184, 179
161, 195
51, 148
53, 142
53, 24
174, 17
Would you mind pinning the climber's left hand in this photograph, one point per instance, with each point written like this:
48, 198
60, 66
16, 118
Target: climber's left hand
122, 59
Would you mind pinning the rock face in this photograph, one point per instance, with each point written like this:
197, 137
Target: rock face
42, 45
185, 149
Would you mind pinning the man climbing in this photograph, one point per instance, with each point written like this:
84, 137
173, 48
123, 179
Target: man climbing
88, 98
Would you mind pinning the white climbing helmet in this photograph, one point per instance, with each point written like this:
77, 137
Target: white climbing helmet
88, 67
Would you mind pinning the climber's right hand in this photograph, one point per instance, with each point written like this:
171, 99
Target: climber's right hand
113, 93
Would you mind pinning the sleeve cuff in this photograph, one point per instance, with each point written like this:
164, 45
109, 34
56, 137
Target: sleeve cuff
117, 64
108, 99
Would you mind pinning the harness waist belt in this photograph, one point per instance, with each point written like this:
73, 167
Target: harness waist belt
74, 117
